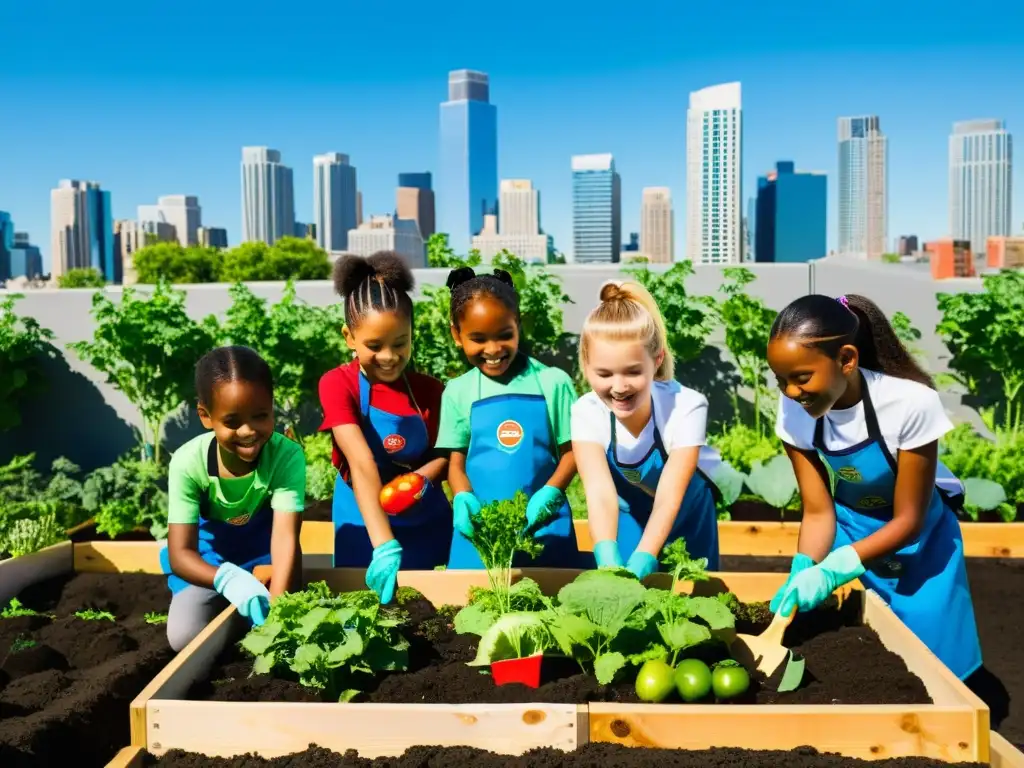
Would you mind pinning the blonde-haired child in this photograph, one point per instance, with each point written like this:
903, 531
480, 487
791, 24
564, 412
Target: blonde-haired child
638, 437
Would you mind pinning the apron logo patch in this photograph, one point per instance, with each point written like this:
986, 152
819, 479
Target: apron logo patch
872, 502
238, 520
394, 443
632, 475
850, 474
510, 434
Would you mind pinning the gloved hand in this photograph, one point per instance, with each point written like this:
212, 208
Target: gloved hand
812, 586
244, 591
606, 553
800, 562
642, 564
383, 571
465, 506
547, 497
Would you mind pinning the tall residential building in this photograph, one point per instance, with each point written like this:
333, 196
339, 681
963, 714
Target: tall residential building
596, 209
491, 241
792, 215
714, 194
334, 200
131, 236
213, 237
182, 212
980, 181
81, 230
657, 225
518, 208
268, 197
414, 199
6, 245
468, 169
863, 187
386, 233
26, 260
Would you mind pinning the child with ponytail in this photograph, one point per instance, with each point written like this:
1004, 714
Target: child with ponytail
639, 438
855, 405
389, 509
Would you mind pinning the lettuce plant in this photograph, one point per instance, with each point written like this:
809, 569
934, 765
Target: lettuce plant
334, 643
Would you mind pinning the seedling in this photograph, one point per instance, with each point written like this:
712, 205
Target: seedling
90, 615
155, 618
15, 608
22, 643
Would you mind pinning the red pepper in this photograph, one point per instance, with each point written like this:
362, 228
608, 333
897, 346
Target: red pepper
402, 492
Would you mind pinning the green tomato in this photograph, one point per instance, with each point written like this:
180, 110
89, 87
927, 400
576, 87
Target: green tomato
654, 681
693, 679
729, 680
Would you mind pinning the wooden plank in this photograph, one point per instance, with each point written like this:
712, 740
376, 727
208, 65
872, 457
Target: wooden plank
583, 540
129, 757
272, 729
317, 538
16, 573
943, 686
869, 732
118, 557
192, 663
993, 539
1003, 754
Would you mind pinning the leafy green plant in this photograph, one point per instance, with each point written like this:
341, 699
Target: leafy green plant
741, 445
90, 614
729, 482
909, 335
433, 352
982, 495
148, 349
774, 481
25, 493
152, 617
321, 474
26, 535
129, 494
968, 454
24, 345
299, 341
334, 643
22, 643
82, 277
16, 608
440, 255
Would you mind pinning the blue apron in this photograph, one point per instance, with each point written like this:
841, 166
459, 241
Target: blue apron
925, 582
399, 445
512, 448
243, 540
697, 519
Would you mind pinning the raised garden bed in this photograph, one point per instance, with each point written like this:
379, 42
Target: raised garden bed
204, 700
66, 680
587, 756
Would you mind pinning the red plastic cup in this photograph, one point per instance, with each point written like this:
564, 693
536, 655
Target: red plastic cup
524, 671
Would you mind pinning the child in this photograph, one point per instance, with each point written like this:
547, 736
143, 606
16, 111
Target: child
384, 423
506, 421
236, 496
854, 401
638, 437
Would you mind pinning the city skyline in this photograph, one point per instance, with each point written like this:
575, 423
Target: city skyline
564, 99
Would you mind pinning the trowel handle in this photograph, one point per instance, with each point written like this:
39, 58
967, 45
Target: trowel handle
777, 629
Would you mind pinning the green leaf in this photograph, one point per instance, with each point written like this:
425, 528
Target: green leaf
605, 598
774, 481
712, 611
683, 633
474, 619
353, 646
264, 664
513, 636
312, 621
607, 665
984, 495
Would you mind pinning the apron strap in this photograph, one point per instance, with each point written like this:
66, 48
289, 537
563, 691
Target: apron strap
658, 445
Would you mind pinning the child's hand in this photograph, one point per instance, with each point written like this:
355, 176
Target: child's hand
244, 591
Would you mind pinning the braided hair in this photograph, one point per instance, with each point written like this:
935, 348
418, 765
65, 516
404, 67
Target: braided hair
232, 363
465, 285
829, 324
378, 283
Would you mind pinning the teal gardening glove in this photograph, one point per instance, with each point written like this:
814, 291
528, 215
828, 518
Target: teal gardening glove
382, 574
465, 506
800, 563
642, 564
546, 498
812, 586
606, 553
244, 591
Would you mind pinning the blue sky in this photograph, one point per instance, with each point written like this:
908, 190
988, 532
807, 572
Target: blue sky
152, 99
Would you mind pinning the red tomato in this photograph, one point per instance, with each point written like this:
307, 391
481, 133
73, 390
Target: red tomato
402, 492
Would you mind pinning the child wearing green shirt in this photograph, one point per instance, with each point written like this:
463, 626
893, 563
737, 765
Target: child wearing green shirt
236, 496
506, 422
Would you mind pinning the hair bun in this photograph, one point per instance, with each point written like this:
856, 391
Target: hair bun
350, 272
612, 291
459, 275
392, 270
504, 276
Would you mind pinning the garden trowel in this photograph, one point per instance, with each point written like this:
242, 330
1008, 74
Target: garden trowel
765, 653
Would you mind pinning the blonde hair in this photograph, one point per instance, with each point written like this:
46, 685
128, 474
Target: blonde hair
628, 312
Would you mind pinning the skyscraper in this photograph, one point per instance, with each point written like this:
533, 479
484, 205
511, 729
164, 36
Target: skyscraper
863, 187
334, 200
657, 225
6, 245
26, 260
180, 211
980, 181
468, 169
714, 151
414, 199
516, 228
82, 230
596, 209
268, 198
791, 215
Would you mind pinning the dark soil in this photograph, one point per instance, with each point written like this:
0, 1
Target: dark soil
65, 682
837, 653
755, 510
587, 756
318, 511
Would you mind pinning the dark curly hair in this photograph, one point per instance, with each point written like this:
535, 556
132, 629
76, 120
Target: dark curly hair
828, 324
466, 285
378, 283
234, 363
